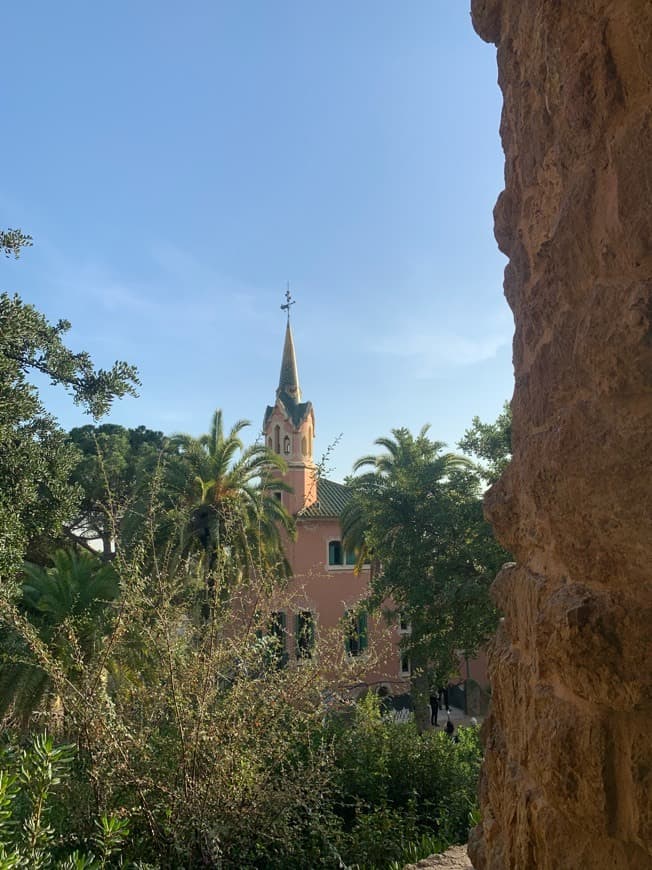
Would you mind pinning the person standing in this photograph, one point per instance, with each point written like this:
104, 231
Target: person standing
434, 708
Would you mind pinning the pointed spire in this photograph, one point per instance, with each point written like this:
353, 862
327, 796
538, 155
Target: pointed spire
288, 382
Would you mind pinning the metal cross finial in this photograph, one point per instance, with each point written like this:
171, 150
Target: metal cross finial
288, 301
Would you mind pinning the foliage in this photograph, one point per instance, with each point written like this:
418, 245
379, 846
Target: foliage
186, 724
418, 516
53, 630
11, 242
30, 782
35, 461
217, 508
491, 443
404, 794
107, 471
387, 795
216, 756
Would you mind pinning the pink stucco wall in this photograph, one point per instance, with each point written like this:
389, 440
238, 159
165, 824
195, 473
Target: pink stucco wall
329, 591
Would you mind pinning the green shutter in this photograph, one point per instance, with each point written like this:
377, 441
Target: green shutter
281, 632
283, 658
362, 624
304, 634
297, 629
311, 633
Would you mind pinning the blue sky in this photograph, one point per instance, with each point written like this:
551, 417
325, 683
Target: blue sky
178, 163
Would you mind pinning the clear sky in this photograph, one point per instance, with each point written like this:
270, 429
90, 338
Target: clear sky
177, 163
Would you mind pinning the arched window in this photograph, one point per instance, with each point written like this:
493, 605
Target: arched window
277, 439
286, 445
269, 443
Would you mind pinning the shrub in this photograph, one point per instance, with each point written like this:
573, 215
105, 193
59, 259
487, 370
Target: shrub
194, 747
29, 837
399, 788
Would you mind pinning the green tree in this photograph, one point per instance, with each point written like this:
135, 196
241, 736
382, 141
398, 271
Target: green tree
418, 516
35, 462
11, 242
107, 472
219, 504
54, 630
491, 443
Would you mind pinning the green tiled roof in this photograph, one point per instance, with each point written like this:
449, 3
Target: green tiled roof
331, 500
296, 411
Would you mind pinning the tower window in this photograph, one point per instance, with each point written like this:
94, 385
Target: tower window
277, 439
270, 443
286, 445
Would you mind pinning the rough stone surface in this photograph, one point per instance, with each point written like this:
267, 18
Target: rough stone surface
567, 781
454, 858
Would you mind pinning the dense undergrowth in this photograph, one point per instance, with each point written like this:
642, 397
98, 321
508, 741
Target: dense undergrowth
181, 739
388, 795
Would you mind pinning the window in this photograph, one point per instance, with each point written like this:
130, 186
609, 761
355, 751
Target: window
269, 443
335, 553
404, 625
286, 445
357, 635
277, 439
304, 635
405, 669
278, 495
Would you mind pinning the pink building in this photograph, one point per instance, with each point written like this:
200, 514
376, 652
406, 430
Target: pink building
325, 591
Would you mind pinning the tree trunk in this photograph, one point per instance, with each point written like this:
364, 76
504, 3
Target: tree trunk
107, 549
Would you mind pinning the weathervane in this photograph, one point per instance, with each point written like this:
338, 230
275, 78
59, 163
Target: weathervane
288, 301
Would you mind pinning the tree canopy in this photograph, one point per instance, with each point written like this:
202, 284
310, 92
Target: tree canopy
107, 473
418, 516
35, 460
491, 443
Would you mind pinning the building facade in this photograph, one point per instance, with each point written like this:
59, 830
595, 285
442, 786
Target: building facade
325, 591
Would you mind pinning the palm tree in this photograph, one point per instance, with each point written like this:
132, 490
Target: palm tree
67, 612
405, 457
229, 513
395, 520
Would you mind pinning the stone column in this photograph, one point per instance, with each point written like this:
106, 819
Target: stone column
567, 781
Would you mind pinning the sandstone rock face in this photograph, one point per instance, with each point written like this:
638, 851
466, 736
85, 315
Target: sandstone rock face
567, 782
